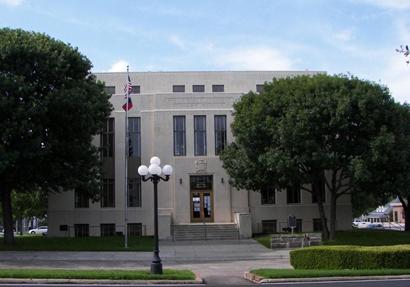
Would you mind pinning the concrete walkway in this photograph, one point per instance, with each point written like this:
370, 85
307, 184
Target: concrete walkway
218, 262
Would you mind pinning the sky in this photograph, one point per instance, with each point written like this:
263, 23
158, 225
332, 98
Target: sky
356, 37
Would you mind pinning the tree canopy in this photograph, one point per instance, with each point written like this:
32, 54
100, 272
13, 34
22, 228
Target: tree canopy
307, 131
50, 108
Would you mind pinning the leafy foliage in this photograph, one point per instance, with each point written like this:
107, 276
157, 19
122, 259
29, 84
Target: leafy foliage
50, 108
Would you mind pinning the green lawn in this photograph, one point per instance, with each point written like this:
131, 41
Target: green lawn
96, 274
44, 243
357, 237
300, 273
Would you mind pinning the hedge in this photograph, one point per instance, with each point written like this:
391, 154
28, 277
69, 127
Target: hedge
351, 257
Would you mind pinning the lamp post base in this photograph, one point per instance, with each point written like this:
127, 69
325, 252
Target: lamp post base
156, 268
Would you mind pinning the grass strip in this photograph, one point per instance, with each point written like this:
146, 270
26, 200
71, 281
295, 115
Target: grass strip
312, 273
45, 243
169, 274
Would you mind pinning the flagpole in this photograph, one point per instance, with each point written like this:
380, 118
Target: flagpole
126, 166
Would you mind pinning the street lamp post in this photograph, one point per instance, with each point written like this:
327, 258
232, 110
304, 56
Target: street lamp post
153, 173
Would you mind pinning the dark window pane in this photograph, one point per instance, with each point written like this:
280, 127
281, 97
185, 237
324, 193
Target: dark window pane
135, 229
268, 196
108, 193
81, 199
317, 225
199, 135
198, 88
134, 137
268, 226
323, 197
293, 194
107, 139
110, 90
81, 230
260, 88
135, 90
218, 88
107, 229
179, 136
220, 133
134, 192
178, 88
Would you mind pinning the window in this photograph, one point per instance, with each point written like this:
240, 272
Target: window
201, 182
81, 230
298, 225
268, 226
317, 225
107, 139
218, 88
64, 227
268, 196
81, 199
107, 229
198, 88
134, 192
220, 133
134, 229
178, 88
314, 198
135, 90
109, 90
134, 137
108, 193
293, 194
199, 135
179, 136
260, 88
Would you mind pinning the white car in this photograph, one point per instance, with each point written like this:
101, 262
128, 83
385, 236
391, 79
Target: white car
39, 230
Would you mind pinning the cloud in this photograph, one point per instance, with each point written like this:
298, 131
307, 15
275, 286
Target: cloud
343, 36
12, 3
390, 4
257, 58
177, 41
119, 66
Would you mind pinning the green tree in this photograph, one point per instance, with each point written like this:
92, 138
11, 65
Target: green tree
306, 131
50, 108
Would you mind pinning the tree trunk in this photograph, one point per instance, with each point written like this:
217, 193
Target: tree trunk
332, 223
7, 214
318, 186
406, 210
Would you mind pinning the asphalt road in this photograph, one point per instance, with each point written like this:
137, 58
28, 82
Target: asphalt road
356, 283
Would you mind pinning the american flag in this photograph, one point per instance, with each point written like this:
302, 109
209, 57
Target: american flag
127, 91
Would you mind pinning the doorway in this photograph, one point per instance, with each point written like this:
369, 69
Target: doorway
201, 199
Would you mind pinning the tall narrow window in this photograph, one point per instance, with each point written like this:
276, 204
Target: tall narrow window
108, 193
293, 194
220, 133
199, 135
107, 139
81, 199
179, 136
134, 137
134, 192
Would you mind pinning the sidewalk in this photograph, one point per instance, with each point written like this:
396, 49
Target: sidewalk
221, 262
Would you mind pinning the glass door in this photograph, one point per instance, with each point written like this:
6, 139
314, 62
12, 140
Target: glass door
202, 206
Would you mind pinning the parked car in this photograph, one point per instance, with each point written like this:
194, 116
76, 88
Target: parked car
375, 226
39, 230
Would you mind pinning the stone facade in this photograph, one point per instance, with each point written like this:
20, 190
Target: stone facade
156, 105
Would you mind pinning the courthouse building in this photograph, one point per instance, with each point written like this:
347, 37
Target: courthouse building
183, 118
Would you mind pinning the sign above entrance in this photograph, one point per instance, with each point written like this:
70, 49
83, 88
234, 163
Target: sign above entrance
201, 182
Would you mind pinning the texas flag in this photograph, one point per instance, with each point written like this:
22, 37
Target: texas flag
127, 90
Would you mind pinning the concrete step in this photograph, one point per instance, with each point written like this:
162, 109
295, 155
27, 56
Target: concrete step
226, 231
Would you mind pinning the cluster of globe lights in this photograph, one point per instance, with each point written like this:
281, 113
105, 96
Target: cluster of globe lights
154, 168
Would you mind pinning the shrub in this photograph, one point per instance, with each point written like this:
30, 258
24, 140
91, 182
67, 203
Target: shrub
351, 257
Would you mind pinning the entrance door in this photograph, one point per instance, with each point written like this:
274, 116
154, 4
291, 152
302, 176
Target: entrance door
202, 206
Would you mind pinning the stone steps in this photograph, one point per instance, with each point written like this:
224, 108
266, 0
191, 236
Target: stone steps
226, 231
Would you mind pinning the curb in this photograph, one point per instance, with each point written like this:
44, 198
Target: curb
197, 281
261, 280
